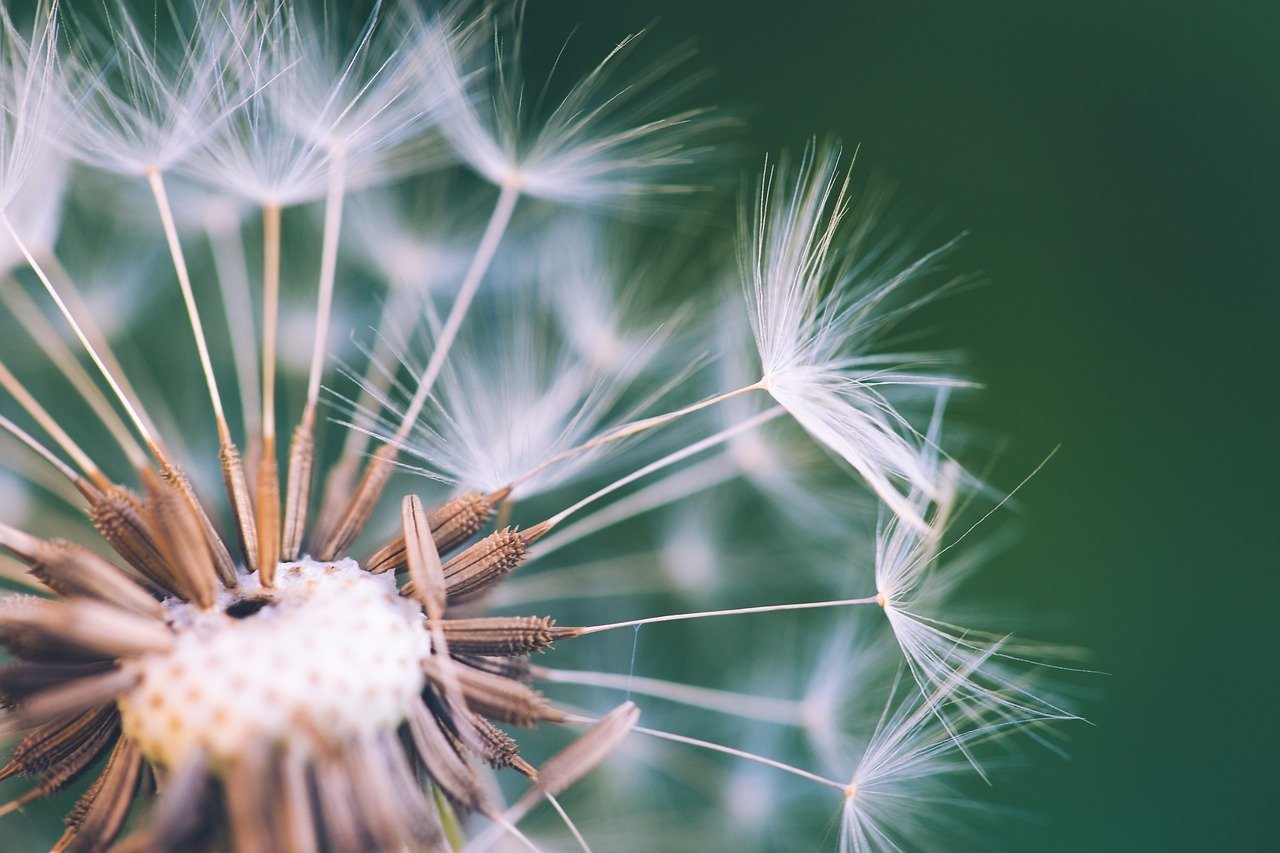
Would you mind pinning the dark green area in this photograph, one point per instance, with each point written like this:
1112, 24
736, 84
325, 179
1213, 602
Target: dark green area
1115, 165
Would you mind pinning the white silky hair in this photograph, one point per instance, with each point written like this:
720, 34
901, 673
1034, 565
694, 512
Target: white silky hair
898, 796
32, 103
146, 101
36, 210
818, 306
513, 395
602, 142
304, 101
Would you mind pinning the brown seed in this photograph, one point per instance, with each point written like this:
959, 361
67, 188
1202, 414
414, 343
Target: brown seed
177, 530
499, 635
80, 627
302, 457
500, 750
452, 524
120, 518
496, 697
587, 752
438, 750
98, 816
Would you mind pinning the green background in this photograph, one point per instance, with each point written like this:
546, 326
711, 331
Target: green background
1115, 165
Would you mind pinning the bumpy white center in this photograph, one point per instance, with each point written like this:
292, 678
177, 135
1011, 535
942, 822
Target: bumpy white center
336, 651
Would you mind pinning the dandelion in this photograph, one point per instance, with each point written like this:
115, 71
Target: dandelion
254, 671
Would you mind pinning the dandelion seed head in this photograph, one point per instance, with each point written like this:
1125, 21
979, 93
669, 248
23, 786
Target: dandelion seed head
334, 651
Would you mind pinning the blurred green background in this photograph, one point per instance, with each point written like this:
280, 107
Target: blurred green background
1115, 165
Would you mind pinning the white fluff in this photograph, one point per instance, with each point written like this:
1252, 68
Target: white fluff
817, 308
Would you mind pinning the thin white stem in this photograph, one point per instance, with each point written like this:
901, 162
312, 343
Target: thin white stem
55, 348
137, 420
498, 222
673, 487
738, 611
634, 428
270, 315
573, 827
237, 303
492, 833
666, 461
328, 272
45, 453
156, 181
786, 712
739, 753
50, 425
582, 719
376, 380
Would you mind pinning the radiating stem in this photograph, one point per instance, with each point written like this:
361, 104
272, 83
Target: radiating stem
787, 712
237, 305
268, 492
229, 455
107, 374
673, 487
739, 611
52, 345
378, 471
633, 428
51, 426
743, 754
303, 445
664, 462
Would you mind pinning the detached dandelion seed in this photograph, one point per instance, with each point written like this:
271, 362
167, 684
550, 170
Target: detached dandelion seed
329, 672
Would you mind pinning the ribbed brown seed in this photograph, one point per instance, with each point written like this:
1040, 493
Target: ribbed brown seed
499, 635
342, 824
237, 484
224, 567
181, 540
20, 680
245, 784
71, 570
515, 668
302, 457
500, 750
393, 819
421, 817
75, 697
120, 518
180, 811
587, 752
373, 481
53, 743
452, 524
296, 825
484, 563
98, 816
43, 627
496, 697
75, 754
438, 752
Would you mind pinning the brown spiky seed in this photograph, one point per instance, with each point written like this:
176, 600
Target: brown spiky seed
452, 524
499, 635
